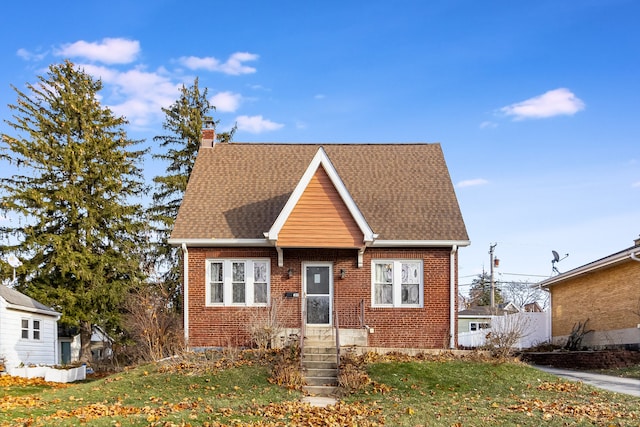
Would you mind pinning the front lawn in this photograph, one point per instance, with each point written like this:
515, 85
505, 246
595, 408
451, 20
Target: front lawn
485, 393
403, 392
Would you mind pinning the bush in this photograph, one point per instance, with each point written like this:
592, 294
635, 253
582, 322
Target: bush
155, 328
264, 326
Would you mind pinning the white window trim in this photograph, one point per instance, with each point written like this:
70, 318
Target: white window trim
31, 330
28, 329
397, 283
227, 282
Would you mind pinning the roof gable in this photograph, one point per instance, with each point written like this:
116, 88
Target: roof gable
237, 192
319, 168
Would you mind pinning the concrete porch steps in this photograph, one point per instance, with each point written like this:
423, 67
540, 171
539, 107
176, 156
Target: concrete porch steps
319, 362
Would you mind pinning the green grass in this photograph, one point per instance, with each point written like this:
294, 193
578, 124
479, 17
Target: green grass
487, 394
404, 393
157, 396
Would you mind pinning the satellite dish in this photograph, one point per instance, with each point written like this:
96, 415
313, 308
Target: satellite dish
14, 261
556, 259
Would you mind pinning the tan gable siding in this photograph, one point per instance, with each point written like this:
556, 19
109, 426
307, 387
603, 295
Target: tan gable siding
320, 219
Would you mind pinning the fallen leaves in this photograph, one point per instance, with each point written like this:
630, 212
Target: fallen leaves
11, 381
560, 386
595, 411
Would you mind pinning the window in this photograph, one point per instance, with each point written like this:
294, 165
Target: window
237, 282
36, 329
25, 329
397, 283
476, 326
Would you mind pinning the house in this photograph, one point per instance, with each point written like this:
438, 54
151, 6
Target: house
28, 330
530, 322
365, 236
479, 317
69, 339
606, 293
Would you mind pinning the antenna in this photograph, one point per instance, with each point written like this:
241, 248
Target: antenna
556, 259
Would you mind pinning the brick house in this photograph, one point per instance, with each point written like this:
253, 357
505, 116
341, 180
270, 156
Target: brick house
605, 292
364, 233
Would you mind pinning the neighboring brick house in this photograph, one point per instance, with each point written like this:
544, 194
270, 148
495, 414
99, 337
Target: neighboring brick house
369, 232
605, 292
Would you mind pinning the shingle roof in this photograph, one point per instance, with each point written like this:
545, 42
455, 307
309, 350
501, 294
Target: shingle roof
19, 299
237, 190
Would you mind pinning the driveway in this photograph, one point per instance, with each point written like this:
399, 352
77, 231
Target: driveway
619, 385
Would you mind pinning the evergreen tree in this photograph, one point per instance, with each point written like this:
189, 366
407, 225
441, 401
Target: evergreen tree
480, 292
184, 121
77, 176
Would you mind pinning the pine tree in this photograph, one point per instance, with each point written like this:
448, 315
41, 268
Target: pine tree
184, 121
480, 292
77, 177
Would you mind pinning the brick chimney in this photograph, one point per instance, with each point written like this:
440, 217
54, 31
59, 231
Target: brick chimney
637, 241
208, 137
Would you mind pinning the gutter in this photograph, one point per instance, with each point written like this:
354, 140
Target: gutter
185, 292
452, 297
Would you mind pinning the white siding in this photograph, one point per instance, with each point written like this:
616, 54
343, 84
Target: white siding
17, 350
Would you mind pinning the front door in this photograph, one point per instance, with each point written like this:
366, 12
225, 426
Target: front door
318, 287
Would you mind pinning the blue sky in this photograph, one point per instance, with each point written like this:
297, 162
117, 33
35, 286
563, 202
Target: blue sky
535, 103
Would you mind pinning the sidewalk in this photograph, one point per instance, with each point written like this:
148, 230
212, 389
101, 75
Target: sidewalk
619, 385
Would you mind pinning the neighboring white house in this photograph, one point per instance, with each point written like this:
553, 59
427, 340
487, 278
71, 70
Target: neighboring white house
28, 330
101, 344
476, 322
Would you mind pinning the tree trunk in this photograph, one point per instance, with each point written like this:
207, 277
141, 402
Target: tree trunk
85, 341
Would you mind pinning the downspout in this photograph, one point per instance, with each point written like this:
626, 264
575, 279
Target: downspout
185, 292
634, 256
452, 298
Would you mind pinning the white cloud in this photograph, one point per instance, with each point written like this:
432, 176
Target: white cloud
555, 102
108, 51
226, 102
30, 56
256, 124
636, 184
136, 94
319, 96
234, 65
488, 125
472, 183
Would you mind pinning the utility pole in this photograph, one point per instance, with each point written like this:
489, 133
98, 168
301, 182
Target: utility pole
493, 284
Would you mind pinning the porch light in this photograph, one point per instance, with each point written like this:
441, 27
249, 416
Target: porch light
290, 272
343, 273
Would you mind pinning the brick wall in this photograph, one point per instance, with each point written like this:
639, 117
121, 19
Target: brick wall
426, 327
608, 298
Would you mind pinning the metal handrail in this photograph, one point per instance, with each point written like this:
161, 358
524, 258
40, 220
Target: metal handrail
337, 328
303, 325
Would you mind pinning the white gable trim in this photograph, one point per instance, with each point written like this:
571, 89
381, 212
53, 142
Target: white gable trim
320, 159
